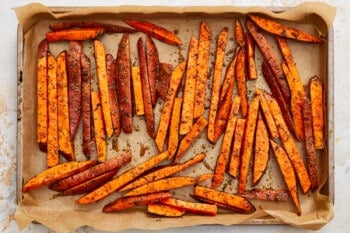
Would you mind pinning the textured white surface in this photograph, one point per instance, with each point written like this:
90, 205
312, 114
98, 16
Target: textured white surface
8, 105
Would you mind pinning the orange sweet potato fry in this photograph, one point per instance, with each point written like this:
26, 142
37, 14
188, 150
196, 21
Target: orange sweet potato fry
241, 81
162, 84
74, 34
165, 210
250, 50
239, 34
191, 207
173, 141
229, 79
152, 67
108, 28
137, 90
235, 156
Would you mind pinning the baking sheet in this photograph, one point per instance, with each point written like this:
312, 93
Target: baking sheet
311, 59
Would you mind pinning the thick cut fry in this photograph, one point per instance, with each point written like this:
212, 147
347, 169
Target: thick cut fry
115, 115
86, 103
215, 91
64, 143
189, 88
56, 173
74, 34
266, 194
108, 28
225, 148
174, 86
146, 93
174, 127
235, 157
152, 67
100, 57
74, 88
290, 146
121, 180
165, 210
309, 145
41, 95
278, 29
271, 59
223, 199
239, 34
53, 157
202, 69
316, 96
88, 174
229, 80
191, 207
241, 81
261, 150
162, 185
288, 174
99, 129
189, 138
155, 31
164, 172
136, 84
162, 85
250, 50
248, 144
123, 203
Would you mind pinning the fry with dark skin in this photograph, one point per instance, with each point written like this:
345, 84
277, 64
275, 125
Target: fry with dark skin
162, 85
266, 194
86, 103
108, 28
173, 140
241, 81
191, 207
239, 34
165, 210
152, 67
74, 34
236, 148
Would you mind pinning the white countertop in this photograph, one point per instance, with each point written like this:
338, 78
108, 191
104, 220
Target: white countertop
8, 105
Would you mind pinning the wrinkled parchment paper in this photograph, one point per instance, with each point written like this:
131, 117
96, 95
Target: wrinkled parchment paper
63, 215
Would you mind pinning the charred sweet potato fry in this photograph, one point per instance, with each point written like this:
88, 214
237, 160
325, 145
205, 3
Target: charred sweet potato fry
123, 203
316, 96
173, 140
278, 29
65, 145
137, 90
174, 86
108, 28
235, 156
152, 67
41, 95
241, 81
202, 69
247, 146
191, 207
288, 174
250, 56
229, 79
165, 210
266, 194
121, 180
162, 85
239, 34
74, 34
155, 31
190, 137
53, 157
310, 154
189, 88
215, 91
58, 172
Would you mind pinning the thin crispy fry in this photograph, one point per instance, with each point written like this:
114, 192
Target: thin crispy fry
137, 88
165, 210
266, 194
173, 141
241, 81
239, 34
108, 28
74, 34
191, 207
86, 75
250, 50
235, 156
152, 67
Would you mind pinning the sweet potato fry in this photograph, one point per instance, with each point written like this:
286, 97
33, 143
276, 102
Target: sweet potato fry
204, 177
191, 207
155, 31
316, 96
52, 155
121, 180
58, 172
41, 93
239, 34
137, 89
86, 103
173, 141
202, 69
290, 146
266, 194
152, 67
123, 203
241, 81
278, 29
108, 28
74, 34
99, 129
165, 210
64, 143
271, 59
225, 148
236, 148
229, 79
261, 150
248, 143
164, 172
250, 56
288, 174
115, 115
162, 85
310, 154
174, 86
189, 88
94, 171
223, 199
189, 138
146, 94
215, 91
162, 185
74, 88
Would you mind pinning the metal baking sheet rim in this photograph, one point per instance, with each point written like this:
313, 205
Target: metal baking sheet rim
264, 220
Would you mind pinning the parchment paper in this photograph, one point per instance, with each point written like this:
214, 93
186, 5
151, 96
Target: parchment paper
63, 215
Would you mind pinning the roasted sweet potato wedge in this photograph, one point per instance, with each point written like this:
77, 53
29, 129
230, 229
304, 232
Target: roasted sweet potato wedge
152, 58
173, 141
241, 81
137, 90
74, 34
165, 210
108, 28
235, 157
191, 207
162, 85
266, 194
